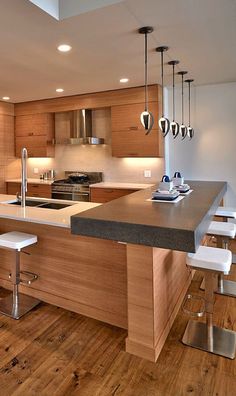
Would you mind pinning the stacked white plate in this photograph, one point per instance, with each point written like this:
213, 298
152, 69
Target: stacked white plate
164, 195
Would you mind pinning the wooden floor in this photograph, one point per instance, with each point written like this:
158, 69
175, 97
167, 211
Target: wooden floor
55, 352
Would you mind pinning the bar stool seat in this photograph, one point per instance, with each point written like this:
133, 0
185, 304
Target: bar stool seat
223, 232
214, 259
222, 229
17, 240
226, 211
17, 304
201, 335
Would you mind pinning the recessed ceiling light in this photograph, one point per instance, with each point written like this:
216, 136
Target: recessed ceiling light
124, 80
5, 98
59, 90
64, 48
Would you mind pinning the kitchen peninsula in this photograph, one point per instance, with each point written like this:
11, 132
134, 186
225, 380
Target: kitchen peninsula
157, 236
122, 262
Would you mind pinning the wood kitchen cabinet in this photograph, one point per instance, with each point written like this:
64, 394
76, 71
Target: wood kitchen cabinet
128, 135
33, 190
36, 132
102, 195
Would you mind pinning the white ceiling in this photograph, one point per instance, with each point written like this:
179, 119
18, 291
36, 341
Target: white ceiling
106, 46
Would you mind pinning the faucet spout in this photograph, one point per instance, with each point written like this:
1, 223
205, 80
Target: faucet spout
24, 156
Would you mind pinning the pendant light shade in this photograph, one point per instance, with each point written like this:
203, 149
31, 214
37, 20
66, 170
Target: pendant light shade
190, 130
146, 117
174, 126
182, 128
164, 123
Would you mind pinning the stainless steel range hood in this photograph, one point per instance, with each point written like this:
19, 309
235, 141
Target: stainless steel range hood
81, 130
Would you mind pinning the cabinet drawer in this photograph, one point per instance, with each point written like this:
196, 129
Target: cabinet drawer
34, 190
39, 190
102, 195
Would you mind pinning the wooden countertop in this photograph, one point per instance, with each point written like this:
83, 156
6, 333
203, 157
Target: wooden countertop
133, 219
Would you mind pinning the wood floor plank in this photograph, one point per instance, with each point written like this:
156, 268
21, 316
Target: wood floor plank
53, 352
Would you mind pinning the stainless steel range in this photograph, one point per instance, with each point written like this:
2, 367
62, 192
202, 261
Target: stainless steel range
75, 187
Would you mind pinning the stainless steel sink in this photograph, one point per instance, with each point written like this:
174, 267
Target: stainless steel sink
41, 204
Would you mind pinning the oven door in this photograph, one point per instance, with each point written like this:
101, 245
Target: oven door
71, 196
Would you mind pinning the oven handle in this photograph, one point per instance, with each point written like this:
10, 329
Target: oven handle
69, 193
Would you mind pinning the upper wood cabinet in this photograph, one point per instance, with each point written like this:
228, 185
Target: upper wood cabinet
128, 134
36, 132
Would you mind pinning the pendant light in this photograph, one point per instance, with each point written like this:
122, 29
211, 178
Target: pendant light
164, 123
182, 129
190, 130
146, 116
174, 126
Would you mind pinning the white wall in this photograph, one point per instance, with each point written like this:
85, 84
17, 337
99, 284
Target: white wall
211, 155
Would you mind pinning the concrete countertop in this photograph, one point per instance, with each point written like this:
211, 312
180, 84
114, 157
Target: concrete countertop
31, 181
53, 217
129, 186
177, 226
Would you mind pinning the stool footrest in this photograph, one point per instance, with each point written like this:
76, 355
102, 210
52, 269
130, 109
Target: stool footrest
222, 342
191, 297
29, 277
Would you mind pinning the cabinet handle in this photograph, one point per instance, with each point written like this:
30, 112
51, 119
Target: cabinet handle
132, 154
133, 128
34, 185
109, 191
31, 134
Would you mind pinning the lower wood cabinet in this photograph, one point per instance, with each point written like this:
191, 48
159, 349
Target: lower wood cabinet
34, 190
102, 195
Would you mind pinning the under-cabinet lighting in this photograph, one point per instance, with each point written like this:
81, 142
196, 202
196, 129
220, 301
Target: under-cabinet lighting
64, 47
124, 80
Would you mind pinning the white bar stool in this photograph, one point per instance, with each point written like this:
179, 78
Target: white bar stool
205, 336
17, 304
223, 232
226, 211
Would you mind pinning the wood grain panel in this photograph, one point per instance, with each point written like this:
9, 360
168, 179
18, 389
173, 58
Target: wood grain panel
127, 117
135, 144
157, 282
34, 190
102, 195
91, 100
85, 275
35, 132
6, 108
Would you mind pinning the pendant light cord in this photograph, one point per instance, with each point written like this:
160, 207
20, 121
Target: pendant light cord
146, 77
182, 99
162, 81
189, 104
173, 79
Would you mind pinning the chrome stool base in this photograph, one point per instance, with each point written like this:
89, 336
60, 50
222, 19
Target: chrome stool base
16, 311
219, 342
227, 288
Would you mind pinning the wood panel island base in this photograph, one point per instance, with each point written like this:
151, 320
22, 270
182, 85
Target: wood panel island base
89, 276
157, 282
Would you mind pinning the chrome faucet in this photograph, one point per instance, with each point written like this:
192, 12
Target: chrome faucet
24, 156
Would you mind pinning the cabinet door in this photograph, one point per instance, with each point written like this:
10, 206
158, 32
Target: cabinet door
128, 136
36, 132
102, 195
127, 117
33, 124
13, 188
